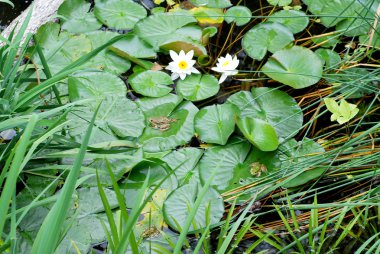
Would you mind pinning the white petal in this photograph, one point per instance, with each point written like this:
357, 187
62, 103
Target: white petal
193, 70
229, 57
217, 69
182, 54
222, 78
182, 76
173, 55
174, 75
191, 62
190, 54
169, 67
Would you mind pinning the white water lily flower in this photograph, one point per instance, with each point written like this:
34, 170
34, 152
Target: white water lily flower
227, 66
182, 64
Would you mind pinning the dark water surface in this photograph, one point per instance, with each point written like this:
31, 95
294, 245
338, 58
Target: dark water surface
7, 13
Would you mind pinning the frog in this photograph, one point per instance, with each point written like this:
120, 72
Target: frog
161, 123
256, 169
150, 232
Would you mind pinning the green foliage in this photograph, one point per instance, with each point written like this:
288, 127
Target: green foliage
162, 156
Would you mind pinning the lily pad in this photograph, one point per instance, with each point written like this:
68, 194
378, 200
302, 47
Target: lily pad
159, 28
330, 58
198, 87
106, 60
297, 67
133, 46
260, 133
181, 201
77, 17
241, 15
266, 37
296, 21
214, 124
212, 3
60, 48
183, 161
151, 83
280, 2
167, 129
220, 162
99, 85
157, 170
119, 14
208, 16
277, 108
118, 117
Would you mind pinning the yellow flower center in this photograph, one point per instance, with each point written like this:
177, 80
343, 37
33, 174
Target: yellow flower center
226, 63
182, 65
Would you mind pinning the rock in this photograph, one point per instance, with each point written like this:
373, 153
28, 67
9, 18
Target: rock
43, 11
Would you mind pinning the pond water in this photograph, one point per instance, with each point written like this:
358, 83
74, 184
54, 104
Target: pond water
7, 13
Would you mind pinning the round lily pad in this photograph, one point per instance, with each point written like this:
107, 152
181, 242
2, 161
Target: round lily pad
77, 17
89, 85
330, 57
266, 37
260, 133
117, 117
151, 83
183, 161
119, 14
106, 60
280, 2
296, 21
276, 107
297, 67
159, 28
241, 15
198, 87
215, 124
181, 201
212, 3
222, 159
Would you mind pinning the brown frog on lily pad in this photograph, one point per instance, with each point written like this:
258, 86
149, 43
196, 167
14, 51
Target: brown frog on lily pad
161, 123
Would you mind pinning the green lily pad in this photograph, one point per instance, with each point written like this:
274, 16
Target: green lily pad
181, 201
183, 161
119, 14
277, 108
241, 15
157, 170
106, 59
299, 153
117, 117
77, 17
167, 129
215, 124
99, 85
207, 16
184, 43
153, 107
304, 177
159, 28
132, 45
266, 37
296, 21
197, 87
151, 83
279, 2
222, 159
329, 57
212, 3
297, 67
260, 133
60, 48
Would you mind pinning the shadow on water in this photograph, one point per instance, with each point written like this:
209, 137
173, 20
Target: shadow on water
7, 13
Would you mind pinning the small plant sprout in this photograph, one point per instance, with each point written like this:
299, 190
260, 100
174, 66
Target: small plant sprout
182, 64
341, 113
227, 66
